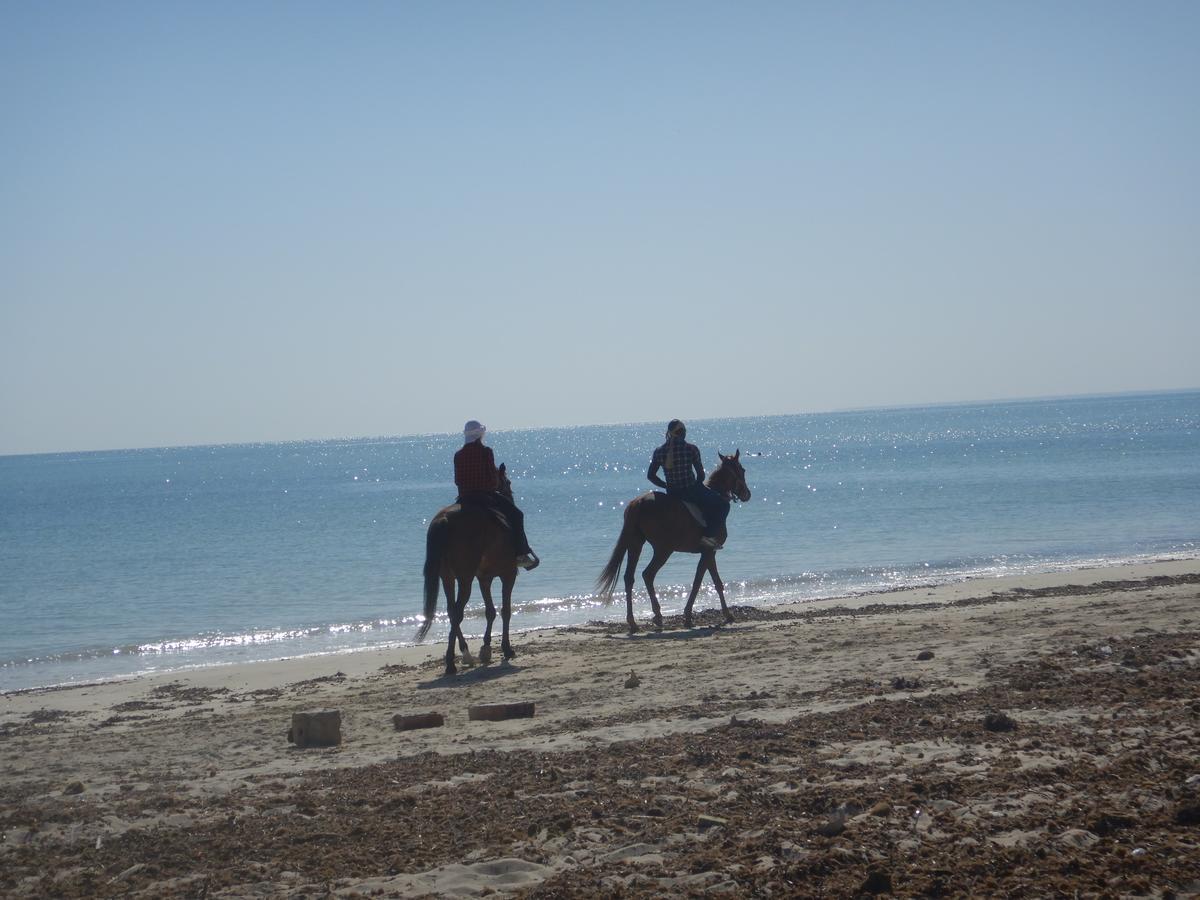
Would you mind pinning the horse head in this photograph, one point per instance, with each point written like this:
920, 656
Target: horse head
730, 478
504, 488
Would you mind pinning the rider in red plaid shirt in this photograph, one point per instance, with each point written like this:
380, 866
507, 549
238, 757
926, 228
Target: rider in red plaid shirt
477, 479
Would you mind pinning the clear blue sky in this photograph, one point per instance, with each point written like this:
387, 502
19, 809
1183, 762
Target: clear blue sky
239, 221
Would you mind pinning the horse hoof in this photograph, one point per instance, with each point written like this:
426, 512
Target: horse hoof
658, 620
468, 661
485, 655
633, 629
729, 620
450, 672
510, 653
687, 622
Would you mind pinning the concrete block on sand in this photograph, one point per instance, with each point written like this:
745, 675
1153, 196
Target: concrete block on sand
418, 720
316, 728
498, 712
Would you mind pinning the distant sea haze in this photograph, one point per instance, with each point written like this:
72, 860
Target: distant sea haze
115, 563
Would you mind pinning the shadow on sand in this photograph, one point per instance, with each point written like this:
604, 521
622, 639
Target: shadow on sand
478, 675
678, 633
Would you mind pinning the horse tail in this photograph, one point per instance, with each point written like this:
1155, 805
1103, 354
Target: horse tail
435, 546
608, 578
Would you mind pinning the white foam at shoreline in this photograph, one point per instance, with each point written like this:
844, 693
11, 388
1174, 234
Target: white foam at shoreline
962, 584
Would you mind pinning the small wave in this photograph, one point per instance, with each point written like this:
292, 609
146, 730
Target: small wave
261, 645
216, 642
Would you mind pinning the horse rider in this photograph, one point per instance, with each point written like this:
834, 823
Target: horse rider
478, 481
680, 461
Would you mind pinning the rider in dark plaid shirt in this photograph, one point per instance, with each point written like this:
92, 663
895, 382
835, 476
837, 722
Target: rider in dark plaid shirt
680, 462
685, 480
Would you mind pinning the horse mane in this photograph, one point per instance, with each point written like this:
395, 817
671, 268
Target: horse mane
721, 473
717, 472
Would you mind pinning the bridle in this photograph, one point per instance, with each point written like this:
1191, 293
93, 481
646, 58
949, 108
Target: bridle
731, 478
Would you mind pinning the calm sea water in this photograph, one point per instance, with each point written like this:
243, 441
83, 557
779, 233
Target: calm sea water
114, 563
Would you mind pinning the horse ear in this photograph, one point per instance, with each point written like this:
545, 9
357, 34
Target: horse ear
737, 452
502, 465
722, 455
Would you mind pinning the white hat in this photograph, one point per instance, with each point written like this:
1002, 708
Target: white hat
473, 431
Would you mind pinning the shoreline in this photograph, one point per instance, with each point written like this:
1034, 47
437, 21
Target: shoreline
1054, 572
807, 740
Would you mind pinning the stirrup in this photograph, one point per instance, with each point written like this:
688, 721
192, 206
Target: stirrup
528, 561
710, 543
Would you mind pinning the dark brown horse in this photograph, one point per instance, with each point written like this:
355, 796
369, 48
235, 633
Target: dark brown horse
465, 542
665, 522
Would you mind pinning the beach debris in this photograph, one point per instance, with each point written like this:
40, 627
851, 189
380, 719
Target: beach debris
791, 852
127, 873
498, 712
1188, 815
632, 681
882, 808
1108, 823
317, 728
900, 683
878, 882
418, 720
706, 822
998, 722
832, 826
75, 787
924, 655
1078, 838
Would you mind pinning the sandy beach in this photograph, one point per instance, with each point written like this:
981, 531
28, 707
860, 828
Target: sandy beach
1031, 736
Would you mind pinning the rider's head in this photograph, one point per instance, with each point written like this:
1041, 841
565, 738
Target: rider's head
473, 431
675, 428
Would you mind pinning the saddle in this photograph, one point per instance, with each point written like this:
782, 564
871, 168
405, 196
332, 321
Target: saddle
691, 507
481, 503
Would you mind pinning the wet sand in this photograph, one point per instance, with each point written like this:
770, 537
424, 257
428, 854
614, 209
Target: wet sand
1030, 736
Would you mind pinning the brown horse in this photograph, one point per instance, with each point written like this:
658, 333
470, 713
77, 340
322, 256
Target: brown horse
668, 526
465, 542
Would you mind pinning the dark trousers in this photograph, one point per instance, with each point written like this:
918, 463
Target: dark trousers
500, 503
713, 505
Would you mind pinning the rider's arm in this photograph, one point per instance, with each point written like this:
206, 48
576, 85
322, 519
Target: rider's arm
652, 474
698, 466
493, 472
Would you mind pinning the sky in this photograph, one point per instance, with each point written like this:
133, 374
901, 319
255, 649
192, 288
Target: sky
254, 221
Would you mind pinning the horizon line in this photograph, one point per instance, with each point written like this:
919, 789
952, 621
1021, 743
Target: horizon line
814, 412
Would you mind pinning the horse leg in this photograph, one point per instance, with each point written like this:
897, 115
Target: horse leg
448, 584
506, 588
635, 551
656, 562
467, 659
456, 617
701, 568
485, 649
720, 586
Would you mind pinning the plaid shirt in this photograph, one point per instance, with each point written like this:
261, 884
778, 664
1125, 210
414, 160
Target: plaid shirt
678, 460
475, 469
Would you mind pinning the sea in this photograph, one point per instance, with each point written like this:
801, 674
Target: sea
117, 563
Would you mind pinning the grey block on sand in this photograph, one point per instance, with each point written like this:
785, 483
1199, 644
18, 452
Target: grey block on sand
317, 728
498, 712
418, 720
